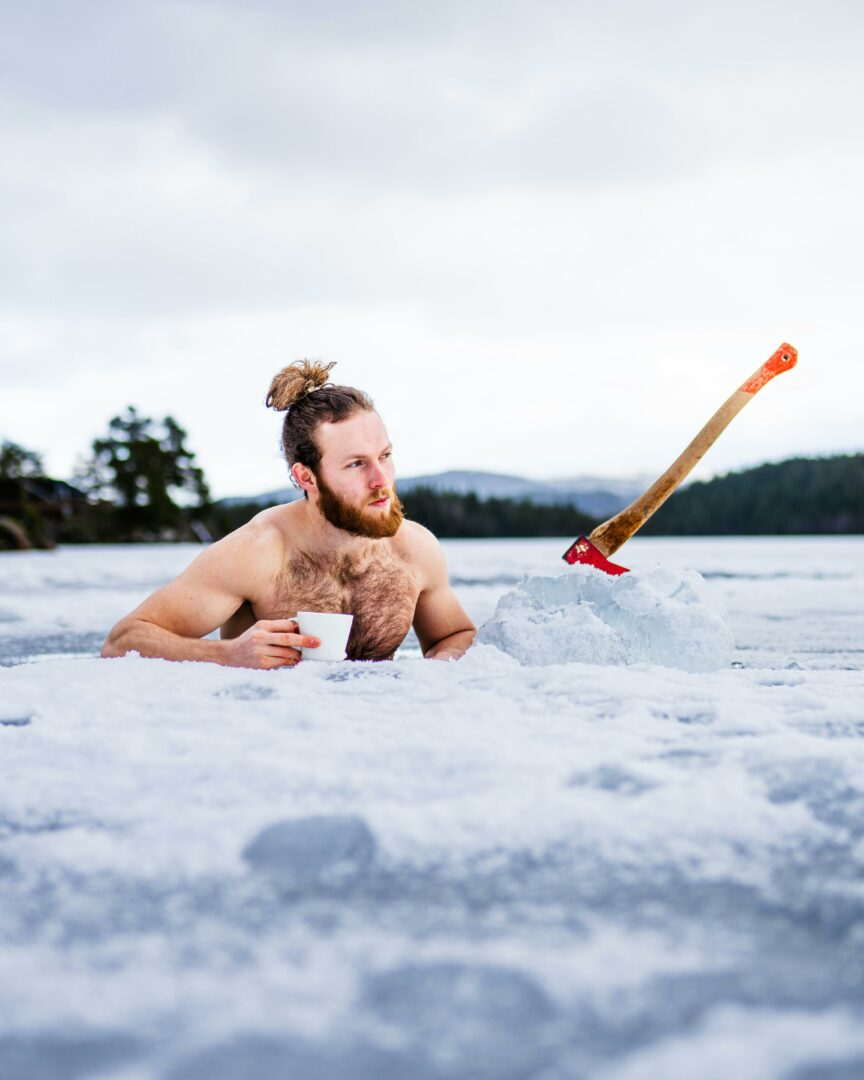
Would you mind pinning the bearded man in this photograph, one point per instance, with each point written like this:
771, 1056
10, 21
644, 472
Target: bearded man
344, 547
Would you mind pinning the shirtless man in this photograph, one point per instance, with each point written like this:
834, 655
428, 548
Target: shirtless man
344, 547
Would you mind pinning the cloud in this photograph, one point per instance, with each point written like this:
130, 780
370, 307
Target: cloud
445, 98
437, 194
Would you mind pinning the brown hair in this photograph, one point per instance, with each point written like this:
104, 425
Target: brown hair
304, 390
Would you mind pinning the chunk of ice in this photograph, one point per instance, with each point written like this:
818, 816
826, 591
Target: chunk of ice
656, 616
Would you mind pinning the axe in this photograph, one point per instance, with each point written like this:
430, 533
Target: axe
594, 550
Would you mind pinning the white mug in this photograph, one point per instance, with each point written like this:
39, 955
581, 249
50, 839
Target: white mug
330, 628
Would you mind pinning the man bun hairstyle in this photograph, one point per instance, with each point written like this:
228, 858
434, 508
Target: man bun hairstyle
304, 390
296, 381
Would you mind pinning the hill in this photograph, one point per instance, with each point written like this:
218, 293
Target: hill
455, 515
798, 496
596, 496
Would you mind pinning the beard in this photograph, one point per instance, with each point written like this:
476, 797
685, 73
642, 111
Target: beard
358, 520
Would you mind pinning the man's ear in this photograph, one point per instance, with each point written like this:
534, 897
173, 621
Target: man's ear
303, 477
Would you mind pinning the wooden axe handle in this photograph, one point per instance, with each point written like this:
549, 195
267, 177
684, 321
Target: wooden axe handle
609, 536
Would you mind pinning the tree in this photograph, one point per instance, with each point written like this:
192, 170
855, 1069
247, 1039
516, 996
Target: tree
793, 497
451, 514
16, 463
145, 470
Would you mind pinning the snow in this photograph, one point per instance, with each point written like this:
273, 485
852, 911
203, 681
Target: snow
654, 616
532, 865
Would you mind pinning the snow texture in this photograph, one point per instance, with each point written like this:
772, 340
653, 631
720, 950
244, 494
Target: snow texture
656, 617
484, 869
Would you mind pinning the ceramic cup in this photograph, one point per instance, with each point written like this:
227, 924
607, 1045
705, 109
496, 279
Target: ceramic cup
332, 631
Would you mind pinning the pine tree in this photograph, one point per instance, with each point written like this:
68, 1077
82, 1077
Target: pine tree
145, 470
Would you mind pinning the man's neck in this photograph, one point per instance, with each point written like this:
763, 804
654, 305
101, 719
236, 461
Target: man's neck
321, 538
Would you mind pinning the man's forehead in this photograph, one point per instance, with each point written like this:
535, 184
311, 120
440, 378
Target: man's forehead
362, 433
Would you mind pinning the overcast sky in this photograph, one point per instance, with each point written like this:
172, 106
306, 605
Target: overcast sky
547, 238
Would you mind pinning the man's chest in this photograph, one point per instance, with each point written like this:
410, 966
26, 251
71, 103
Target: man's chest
381, 593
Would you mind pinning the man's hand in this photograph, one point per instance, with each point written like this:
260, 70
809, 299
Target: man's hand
269, 643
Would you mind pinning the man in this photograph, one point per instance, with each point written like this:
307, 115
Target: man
344, 547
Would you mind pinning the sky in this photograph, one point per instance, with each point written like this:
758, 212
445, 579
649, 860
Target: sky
549, 239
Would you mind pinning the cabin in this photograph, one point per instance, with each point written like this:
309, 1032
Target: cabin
32, 510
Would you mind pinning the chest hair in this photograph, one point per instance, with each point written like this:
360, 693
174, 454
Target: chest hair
375, 586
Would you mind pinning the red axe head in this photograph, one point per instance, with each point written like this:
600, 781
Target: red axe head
583, 551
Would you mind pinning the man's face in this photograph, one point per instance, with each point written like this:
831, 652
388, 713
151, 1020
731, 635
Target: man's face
355, 477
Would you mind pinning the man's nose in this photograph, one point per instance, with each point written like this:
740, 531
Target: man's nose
377, 478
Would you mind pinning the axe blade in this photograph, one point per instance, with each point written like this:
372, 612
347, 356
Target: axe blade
583, 551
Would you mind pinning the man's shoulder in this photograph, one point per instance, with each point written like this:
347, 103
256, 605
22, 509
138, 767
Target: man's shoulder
268, 531
416, 543
412, 532
252, 556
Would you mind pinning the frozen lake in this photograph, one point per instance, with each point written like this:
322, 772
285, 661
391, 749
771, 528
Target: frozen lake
415, 870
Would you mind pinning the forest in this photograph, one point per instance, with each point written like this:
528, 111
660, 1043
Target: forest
140, 482
797, 496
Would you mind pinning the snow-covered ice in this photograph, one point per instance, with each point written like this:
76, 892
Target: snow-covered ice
500, 867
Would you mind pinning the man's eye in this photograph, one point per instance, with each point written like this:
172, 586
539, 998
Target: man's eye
387, 453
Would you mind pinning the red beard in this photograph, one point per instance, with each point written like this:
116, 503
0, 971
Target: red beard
358, 520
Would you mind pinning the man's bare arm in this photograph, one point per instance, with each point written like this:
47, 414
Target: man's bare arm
441, 623
173, 621
452, 647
